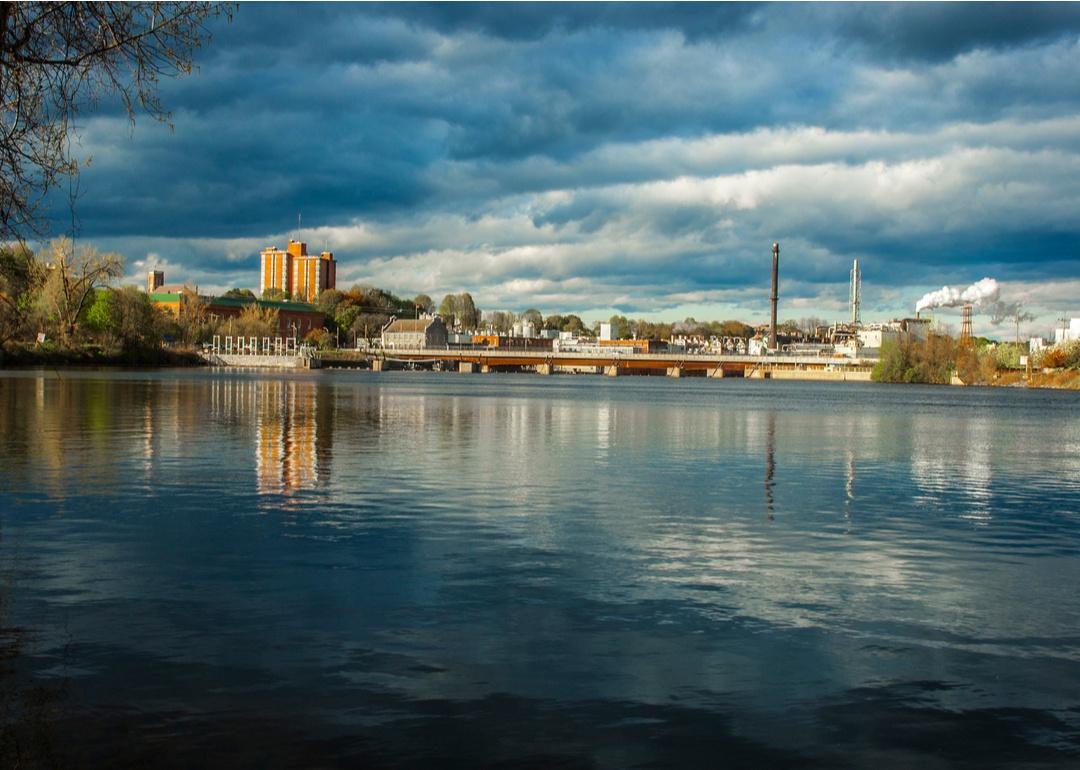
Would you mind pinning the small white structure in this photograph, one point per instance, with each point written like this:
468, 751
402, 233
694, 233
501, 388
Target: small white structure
605, 330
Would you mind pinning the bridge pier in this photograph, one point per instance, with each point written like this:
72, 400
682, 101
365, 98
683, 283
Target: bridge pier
544, 369
377, 364
717, 373
485, 369
674, 371
611, 370
466, 367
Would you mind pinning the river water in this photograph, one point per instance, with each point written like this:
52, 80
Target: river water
329, 569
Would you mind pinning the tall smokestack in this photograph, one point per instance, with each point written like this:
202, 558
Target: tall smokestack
775, 296
856, 292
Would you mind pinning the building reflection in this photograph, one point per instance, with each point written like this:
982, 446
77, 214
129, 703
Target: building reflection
290, 438
293, 429
849, 485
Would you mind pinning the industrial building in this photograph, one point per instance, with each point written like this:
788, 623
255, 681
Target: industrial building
299, 274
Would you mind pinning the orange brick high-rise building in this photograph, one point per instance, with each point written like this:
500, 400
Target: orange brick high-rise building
296, 272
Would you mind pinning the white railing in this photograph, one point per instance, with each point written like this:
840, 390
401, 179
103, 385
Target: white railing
255, 346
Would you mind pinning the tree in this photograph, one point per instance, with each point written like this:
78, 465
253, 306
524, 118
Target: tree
58, 59
554, 321
620, 327
460, 311
70, 279
240, 293
931, 361
346, 316
501, 321
735, 329
134, 321
124, 317
328, 301
193, 318
19, 276
573, 324
533, 316
253, 321
369, 326
275, 295
425, 303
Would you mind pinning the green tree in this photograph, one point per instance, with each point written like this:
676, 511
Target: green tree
274, 294
620, 327
573, 324
19, 283
932, 361
554, 321
346, 316
134, 320
125, 318
533, 316
240, 293
460, 311
57, 60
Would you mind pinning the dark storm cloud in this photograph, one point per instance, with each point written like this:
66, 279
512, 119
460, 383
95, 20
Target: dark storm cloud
937, 32
532, 21
611, 155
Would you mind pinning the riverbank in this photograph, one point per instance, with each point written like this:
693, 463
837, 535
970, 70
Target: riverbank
48, 355
1058, 379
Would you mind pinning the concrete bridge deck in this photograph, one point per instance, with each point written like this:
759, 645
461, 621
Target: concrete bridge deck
617, 362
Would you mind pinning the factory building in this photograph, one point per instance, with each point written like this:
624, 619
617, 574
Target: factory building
872, 336
299, 274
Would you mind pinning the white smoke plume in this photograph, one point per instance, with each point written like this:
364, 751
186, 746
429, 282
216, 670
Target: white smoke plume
979, 292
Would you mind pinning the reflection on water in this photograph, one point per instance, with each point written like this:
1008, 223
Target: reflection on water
416, 570
770, 461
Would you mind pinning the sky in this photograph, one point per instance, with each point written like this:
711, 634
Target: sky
619, 158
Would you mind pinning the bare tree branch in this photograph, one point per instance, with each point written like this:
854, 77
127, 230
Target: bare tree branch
58, 60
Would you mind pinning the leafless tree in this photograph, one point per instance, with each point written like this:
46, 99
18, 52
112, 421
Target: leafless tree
58, 60
71, 275
193, 317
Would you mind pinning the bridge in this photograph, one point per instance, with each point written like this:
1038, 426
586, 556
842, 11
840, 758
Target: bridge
610, 363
